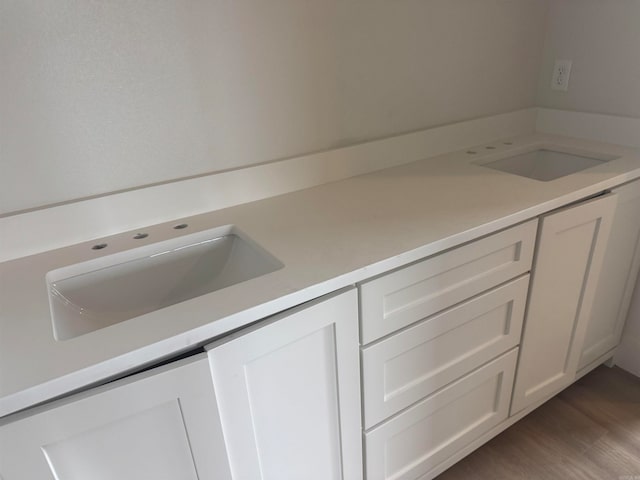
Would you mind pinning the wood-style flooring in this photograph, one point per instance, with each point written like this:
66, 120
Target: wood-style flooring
589, 431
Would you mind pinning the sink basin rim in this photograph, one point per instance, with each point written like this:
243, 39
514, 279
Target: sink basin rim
552, 162
107, 259
72, 301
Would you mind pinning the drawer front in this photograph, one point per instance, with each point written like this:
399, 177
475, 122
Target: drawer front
418, 440
411, 365
415, 292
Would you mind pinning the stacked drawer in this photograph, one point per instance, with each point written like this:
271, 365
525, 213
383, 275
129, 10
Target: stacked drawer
439, 351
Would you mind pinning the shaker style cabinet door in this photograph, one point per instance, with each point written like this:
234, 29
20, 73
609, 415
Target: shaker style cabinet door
288, 392
617, 279
571, 247
161, 425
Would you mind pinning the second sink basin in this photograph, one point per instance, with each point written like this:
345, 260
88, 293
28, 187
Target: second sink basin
98, 293
545, 165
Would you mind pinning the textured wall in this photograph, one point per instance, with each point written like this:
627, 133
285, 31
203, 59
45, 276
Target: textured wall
602, 37
98, 96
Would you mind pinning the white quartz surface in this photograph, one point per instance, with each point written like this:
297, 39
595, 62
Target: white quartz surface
328, 237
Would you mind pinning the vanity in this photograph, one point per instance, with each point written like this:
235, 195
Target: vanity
379, 327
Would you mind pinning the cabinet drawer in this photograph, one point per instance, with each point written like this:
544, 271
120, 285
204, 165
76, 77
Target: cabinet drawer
406, 367
418, 440
415, 292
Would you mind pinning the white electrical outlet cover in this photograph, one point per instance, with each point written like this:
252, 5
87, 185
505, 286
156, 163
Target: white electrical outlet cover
560, 76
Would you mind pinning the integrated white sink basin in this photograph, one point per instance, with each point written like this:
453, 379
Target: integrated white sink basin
111, 289
546, 165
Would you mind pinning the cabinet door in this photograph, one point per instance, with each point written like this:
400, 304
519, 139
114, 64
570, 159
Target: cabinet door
617, 278
571, 248
162, 424
288, 392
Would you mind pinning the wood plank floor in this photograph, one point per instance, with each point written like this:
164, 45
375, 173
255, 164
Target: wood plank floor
590, 431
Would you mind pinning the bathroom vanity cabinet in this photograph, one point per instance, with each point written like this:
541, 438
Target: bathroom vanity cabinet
396, 378
439, 382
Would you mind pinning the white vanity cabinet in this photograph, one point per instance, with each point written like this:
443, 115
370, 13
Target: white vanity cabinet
161, 424
616, 281
440, 344
288, 393
571, 247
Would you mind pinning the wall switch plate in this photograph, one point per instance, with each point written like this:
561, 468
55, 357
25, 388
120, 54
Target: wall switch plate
560, 76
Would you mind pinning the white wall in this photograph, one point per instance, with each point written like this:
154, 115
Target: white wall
628, 354
102, 96
602, 38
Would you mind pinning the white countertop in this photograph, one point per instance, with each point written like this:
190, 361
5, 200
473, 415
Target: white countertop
327, 237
